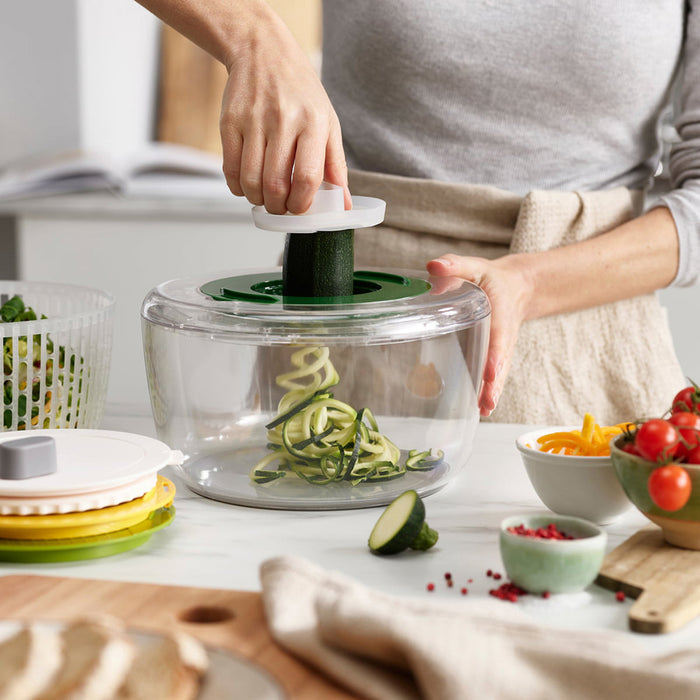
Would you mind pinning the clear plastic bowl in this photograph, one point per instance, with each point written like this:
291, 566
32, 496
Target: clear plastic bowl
212, 367
56, 369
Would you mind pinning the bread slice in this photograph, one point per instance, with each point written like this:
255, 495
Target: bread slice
28, 661
97, 656
171, 668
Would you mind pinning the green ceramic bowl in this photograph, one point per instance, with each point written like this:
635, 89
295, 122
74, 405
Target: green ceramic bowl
680, 527
556, 566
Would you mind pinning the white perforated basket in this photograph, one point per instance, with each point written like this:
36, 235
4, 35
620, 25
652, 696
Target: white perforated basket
56, 370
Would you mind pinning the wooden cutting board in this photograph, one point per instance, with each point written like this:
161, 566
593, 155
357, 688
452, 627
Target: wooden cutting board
664, 580
232, 620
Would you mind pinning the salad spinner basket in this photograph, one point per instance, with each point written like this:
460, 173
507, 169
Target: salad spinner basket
56, 341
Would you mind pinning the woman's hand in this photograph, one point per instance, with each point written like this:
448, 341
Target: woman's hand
280, 134
505, 282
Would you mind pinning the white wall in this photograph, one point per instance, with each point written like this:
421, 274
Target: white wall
75, 74
39, 92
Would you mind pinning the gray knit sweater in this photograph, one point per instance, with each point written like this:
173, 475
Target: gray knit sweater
522, 94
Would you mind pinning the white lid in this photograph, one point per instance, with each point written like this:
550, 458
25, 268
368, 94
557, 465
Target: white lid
326, 213
92, 460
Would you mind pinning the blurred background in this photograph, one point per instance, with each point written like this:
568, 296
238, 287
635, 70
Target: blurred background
105, 78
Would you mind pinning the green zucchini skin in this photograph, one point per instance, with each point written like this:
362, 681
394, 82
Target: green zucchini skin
399, 526
320, 264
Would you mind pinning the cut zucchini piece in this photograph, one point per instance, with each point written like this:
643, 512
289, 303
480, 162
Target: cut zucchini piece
402, 525
319, 264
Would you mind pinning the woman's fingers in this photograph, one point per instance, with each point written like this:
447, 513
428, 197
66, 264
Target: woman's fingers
336, 169
252, 161
232, 145
308, 169
277, 173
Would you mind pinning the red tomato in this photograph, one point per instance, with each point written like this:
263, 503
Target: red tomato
630, 448
687, 399
688, 425
669, 487
693, 456
657, 440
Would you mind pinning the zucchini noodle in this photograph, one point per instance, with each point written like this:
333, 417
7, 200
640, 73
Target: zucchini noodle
321, 440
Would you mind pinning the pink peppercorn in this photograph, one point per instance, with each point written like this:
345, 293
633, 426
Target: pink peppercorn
464, 591
497, 577
620, 596
508, 591
546, 594
551, 532
431, 586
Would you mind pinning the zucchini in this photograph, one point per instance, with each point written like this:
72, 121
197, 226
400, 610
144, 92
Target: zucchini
320, 264
320, 439
402, 525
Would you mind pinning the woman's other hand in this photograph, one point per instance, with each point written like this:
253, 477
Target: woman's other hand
280, 134
506, 284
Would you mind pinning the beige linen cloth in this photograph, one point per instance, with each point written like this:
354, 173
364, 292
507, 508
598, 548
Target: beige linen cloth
615, 361
388, 648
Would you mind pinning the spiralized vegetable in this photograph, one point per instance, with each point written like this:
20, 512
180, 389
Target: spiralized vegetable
321, 439
591, 441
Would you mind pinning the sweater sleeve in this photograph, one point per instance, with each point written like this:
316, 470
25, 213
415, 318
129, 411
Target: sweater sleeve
683, 200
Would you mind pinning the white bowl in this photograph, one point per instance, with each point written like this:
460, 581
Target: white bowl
585, 487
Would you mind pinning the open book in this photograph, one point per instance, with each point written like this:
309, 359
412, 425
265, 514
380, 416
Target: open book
158, 170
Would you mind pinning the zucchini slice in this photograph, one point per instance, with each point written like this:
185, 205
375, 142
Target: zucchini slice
402, 525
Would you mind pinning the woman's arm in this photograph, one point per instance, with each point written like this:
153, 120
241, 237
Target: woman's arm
279, 132
638, 257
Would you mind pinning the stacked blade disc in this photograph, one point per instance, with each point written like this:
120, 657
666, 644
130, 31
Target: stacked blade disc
105, 497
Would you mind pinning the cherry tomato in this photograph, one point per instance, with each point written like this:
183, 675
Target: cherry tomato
688, 425
687, 399
693, 456
669, 487
657, 440
630, 448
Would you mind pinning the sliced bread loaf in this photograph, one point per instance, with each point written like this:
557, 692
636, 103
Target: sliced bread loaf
170, 668
28, 661
97, 656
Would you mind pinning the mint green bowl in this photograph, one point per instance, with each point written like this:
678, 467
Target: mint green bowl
680, 527
555, 566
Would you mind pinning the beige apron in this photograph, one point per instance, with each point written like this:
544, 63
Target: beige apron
615, 361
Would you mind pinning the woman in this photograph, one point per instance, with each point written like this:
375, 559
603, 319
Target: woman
513, 143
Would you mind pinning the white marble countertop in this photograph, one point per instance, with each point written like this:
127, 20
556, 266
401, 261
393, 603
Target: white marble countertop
216, 545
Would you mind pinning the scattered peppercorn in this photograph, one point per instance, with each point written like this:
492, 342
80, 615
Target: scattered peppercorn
464, 591
620, 596
508, 591
431, 586
489, 572
546, 594
450, 583
448, 575
497, 577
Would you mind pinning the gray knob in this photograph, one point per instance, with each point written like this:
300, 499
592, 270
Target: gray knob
25, 458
